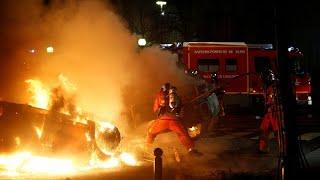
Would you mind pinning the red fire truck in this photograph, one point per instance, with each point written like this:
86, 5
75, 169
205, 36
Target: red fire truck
239, 66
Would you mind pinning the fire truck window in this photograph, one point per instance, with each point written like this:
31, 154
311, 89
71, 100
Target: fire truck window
262, 63
208, 65
231, 65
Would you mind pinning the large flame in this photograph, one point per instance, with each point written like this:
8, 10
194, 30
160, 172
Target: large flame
24, 162
44, 97
39, 95
128, 159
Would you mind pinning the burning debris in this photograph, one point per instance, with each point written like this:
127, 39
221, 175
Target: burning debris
40, 96
52, 133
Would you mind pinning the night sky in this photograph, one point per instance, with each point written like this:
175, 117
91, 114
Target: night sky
227, 20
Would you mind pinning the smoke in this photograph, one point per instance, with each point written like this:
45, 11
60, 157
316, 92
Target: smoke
63, 98
94, 49
20, 27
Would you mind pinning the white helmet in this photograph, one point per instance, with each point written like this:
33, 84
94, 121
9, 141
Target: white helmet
172, 90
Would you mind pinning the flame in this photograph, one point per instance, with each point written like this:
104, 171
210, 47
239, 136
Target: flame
110, 163
88, 138
194, 130
103, 125
48, 165
81, 116
38, 131
25, 162
125, 158
66, 84
17, 140
40, 96
128, 159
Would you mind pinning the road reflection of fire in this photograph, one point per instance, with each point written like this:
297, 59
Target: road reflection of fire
24, 162
21, 162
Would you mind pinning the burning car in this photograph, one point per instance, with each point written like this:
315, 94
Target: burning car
51, 134
23, 127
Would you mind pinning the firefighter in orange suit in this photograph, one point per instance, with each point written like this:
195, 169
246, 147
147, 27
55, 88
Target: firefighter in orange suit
270, 121
167, 105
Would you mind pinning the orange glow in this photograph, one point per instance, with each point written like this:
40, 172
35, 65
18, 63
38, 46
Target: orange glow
66, 84
128, 159
105, 125
113, 162
25, 162
39, 95
194, 130
17, 140
38, 132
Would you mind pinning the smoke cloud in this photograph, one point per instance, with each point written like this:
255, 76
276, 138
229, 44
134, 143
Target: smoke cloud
93, 48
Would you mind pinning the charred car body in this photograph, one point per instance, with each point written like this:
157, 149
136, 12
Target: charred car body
23, 127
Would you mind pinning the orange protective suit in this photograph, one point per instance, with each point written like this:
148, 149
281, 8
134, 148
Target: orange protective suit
167, 121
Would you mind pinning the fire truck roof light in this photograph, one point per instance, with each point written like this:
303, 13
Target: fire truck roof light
261, 46
213, 43
166, 45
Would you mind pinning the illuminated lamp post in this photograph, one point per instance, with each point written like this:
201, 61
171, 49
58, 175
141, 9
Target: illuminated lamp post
50, 50
142, 42
161, 4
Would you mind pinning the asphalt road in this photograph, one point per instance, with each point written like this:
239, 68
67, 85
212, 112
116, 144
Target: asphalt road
228, 151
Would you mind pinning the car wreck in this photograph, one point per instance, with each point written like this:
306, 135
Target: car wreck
46, 132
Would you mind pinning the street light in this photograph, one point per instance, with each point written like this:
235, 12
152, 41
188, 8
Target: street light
50, 49
161, 4
142, 42
32, 51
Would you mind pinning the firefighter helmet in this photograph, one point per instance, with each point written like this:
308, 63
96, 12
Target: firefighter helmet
172, 90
